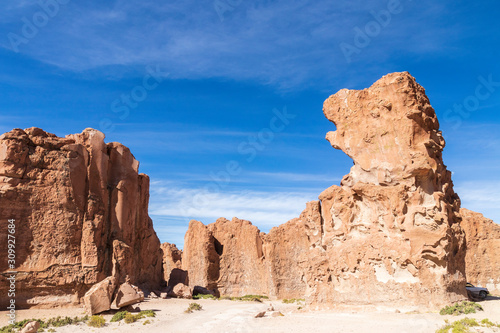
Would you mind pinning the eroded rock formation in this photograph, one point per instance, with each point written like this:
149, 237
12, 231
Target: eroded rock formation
390, 233
80, 208
482, 260
172, 265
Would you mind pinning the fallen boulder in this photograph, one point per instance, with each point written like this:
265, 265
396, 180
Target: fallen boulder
100, 296
30, 327
182, 291
128, 294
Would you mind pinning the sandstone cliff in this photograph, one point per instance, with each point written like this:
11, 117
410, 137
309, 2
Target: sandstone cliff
172, 265
81, 214
390, 233
482, 260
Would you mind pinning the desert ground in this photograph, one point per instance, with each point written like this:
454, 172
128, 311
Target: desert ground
237, 316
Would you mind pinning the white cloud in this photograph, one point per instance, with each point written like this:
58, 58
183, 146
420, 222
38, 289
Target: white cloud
263, 209
280, 42
482, 197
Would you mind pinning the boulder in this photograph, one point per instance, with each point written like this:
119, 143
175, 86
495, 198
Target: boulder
198, 290
182, 291
99, 298
128, 294
260, 314
30, 327
80, 206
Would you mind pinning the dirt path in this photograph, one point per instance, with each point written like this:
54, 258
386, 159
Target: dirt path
238, 317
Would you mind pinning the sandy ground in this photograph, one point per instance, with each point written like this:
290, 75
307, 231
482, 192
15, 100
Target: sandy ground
236, 316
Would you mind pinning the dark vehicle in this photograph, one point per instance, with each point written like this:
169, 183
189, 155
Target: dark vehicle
476, 291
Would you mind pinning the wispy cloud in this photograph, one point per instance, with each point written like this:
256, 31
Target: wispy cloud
263, 209
482, 197
280, 42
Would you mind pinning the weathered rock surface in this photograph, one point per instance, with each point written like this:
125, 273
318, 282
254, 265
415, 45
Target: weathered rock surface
30, 327
182, 291
200, 257
391, 231
100, 296
128, 294
389, 234
172, 265
482, 260
81, 212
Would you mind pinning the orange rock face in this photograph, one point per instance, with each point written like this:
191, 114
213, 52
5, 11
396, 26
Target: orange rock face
391, 231
172, 265
482, 261
389, 234
81, 215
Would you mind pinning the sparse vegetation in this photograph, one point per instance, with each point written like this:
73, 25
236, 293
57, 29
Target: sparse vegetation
200, 296
247, 298
464, 325
293, 300
461, 308
96, 321
488, 323
118, 316
146, 322
52, 322
132, 318
193, 307
250, 298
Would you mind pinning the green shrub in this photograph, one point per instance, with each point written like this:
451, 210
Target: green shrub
488, 323
248, 298
461, 308
200, 296
96, 321
464, 325
193, 307
147, 313
130, 318
55, 322
146, 322
293, 300
118, 316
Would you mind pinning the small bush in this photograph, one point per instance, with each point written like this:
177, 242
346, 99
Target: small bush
488, 323
200, 296
464, 325
146, 322
147, 313
461, 308
293, 300
96, 321
248, 298
55, 322
130, 318
254, 296
118, 316
193, 307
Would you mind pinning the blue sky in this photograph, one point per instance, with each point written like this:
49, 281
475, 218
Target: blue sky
221, 101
